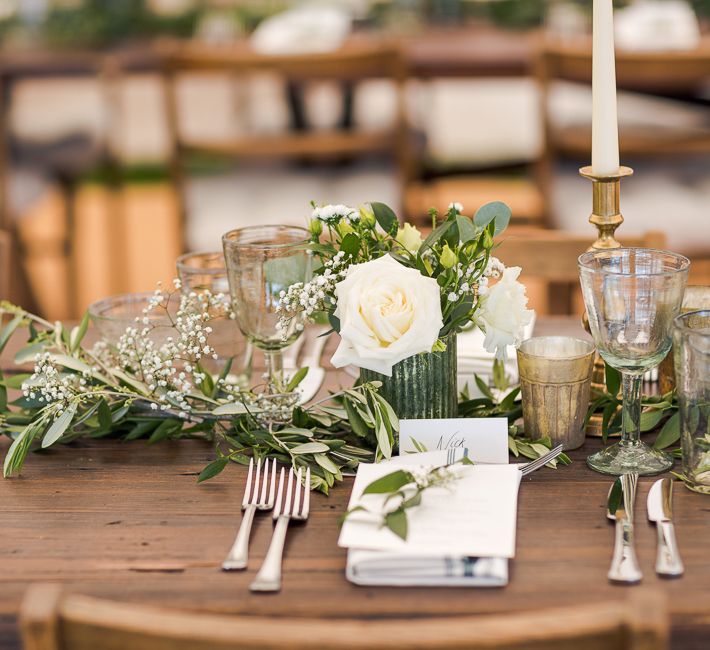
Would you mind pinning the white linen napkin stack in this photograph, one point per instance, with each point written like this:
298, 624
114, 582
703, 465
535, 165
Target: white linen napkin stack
461, 535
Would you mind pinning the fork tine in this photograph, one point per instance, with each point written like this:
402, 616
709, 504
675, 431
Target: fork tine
264, 483
272, 487
297, 496
287, 510
542, 461
535, 464
247, 487
257, 483
277, 507
307, 494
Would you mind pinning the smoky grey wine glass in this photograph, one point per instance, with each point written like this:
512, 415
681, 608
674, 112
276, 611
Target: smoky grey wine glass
632, 296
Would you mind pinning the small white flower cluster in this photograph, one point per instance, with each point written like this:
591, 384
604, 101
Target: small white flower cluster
171, 370
311, 296
456, 206
425, 477
494, 269
332, 214
48, 385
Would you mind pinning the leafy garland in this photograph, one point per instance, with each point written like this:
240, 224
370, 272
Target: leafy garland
139, 390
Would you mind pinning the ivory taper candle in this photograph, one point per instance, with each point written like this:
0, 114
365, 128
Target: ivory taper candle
605, 130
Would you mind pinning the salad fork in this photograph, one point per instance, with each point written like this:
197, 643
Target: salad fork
269, 576
253, 500
529, 468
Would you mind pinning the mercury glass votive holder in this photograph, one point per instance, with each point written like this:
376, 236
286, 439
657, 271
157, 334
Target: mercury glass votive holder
206, 271
555, 380
691, 352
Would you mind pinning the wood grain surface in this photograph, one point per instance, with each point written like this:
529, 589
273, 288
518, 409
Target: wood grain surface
127, 521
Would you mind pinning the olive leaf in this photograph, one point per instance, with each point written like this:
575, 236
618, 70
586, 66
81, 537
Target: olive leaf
396, 521
670, 433
389, 483
59, 426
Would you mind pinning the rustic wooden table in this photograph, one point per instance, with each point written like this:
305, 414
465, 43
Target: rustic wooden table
127, 521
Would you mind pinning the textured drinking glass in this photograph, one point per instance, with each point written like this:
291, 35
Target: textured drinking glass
555, 380
201, 272
695, 298
632, 296
261, 262
691, 347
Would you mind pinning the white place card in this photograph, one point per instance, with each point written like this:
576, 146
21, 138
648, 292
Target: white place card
485, 438
475, 516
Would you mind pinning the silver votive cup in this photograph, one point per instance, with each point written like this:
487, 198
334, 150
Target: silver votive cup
555, 380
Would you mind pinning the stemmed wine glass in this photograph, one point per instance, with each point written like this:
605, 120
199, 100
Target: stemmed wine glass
632, 296
261, 262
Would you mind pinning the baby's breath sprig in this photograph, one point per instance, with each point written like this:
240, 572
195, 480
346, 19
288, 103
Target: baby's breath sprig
151, 385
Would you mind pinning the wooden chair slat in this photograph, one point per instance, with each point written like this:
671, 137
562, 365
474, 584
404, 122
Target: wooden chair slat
73, 622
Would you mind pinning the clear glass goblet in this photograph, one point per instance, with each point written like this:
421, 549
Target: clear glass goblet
632, 296
261, 262
205, 271
691, 345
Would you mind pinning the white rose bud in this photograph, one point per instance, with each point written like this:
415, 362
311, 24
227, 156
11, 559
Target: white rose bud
387, 313
410, 238
503, 315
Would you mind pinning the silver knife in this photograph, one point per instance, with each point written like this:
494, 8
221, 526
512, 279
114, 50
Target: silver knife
620, 508
659, 506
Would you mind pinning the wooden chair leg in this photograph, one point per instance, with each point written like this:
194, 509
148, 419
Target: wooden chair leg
39, 617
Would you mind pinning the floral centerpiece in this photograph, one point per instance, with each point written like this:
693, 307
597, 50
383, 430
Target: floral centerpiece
397, 299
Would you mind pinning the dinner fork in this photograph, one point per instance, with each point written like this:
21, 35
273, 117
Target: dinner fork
269, 576
253, 500
529, 468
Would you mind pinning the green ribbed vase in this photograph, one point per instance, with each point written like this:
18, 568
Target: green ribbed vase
421, 386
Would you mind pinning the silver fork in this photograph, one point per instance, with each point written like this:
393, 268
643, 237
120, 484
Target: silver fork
253, 500
269, 576
529, 468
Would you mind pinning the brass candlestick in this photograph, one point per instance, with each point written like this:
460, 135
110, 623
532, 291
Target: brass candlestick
606, 217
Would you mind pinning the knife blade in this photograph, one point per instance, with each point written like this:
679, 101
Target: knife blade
659, 505
624, 565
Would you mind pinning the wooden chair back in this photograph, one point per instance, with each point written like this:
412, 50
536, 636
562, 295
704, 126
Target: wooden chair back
549, 262
354, 62
668, 73
52, 621
5, 264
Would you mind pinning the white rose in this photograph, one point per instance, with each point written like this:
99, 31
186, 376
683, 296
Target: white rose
387, 312
503, 315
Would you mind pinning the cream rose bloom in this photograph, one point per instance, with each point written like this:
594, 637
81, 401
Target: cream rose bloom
503, 315
387, 312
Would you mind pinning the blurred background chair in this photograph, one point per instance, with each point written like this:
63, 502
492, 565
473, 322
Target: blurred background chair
130, 132
549, 262
52, 621
249, 144
664, 133
5, 264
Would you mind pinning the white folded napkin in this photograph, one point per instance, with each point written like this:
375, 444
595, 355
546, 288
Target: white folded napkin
460, 535
377, 568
